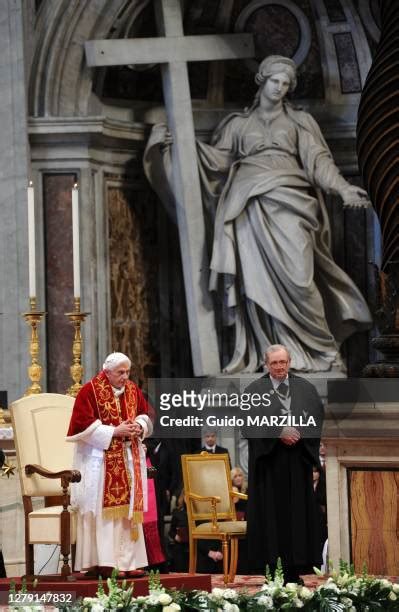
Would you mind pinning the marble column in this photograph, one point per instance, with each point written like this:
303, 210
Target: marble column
14, 154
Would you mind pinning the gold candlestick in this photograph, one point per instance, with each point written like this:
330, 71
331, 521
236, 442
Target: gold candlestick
76, 318
33, 318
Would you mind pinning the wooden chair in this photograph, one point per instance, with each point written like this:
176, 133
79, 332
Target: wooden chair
211, 509
40, 424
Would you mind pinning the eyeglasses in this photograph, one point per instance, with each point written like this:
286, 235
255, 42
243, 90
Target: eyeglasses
282, 362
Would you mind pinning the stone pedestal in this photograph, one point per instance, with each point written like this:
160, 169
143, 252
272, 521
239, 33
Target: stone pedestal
362, 472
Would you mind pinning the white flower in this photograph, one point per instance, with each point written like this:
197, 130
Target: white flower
164, 599
385, 583
330, 586
392, 596
395, 588
272, 590
230, 594
342, 580
217, 593
291, 586
266, 601
153, 599
172, 608
230, 607
97, 607
297, 603
305, 593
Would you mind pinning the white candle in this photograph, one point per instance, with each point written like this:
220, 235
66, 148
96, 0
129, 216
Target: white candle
75, 241
31, 241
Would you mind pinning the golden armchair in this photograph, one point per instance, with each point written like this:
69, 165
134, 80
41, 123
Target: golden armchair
211, 509
40, 423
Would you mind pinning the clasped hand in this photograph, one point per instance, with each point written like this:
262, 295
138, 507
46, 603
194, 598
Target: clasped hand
128, 429
290, 436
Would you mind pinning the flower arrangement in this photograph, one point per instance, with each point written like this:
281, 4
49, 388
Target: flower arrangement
345, 591
342, 591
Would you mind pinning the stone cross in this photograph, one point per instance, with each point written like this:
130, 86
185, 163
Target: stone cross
173, 50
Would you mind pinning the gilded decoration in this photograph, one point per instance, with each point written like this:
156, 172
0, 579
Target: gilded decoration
133, 254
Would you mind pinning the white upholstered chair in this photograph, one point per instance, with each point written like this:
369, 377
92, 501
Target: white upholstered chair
40, 424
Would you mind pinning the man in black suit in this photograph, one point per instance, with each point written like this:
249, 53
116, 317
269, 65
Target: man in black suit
282, 514
210, 444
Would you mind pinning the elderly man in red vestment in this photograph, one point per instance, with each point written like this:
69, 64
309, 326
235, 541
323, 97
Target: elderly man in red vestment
109, 421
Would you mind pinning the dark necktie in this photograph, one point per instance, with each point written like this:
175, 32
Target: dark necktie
283, 389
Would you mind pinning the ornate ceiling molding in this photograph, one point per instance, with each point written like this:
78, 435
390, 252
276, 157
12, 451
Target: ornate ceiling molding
60, 82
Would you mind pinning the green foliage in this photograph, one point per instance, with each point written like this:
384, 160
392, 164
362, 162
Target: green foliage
342, 591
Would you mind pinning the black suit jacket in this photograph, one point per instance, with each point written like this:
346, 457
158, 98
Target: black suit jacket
282, 513
305, 402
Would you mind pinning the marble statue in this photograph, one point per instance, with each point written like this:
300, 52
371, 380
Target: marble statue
262, 176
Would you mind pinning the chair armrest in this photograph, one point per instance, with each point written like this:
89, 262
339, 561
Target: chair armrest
210, 498
66, 477
239, 495
214, 499
72, 475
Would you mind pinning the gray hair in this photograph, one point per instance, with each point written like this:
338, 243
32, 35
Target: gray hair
273, 348
114, 360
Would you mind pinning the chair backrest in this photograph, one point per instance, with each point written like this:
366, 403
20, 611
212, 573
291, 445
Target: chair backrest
40, 424
208, 474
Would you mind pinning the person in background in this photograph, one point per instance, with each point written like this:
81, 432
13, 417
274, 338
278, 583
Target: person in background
153, 542
209, 555
320, 489
160, 454
210, 445
239, 484
178, 536
323, 455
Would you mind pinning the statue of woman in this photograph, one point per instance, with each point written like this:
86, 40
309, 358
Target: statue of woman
263, 174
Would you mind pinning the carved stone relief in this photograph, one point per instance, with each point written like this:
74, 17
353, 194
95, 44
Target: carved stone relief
133, 260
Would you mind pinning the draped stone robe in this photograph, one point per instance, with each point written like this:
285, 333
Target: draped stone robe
271, 255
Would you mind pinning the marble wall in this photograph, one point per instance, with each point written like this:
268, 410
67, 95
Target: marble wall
373, 525
362, 471
57, 210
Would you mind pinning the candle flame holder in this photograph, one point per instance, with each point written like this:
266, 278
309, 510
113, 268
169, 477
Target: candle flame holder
33, 318
76, 318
